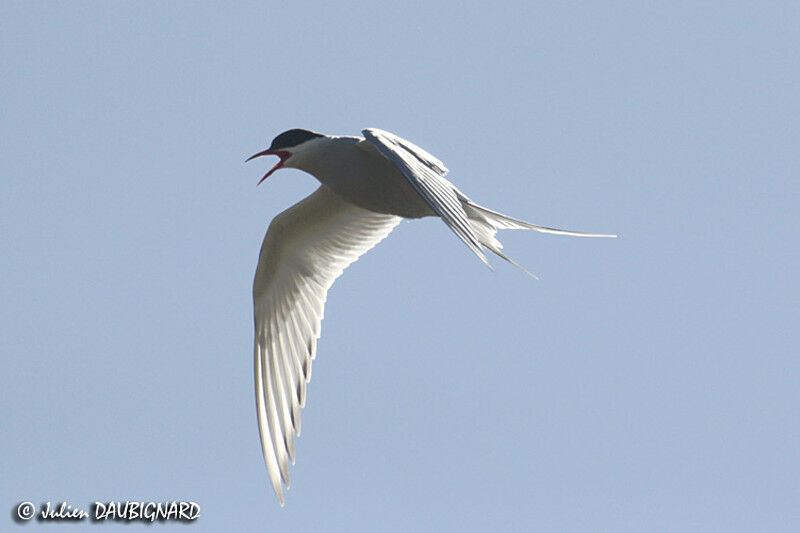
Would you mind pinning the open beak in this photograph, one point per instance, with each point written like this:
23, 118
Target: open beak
280, 153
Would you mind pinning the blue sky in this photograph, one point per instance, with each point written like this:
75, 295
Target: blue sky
647, 383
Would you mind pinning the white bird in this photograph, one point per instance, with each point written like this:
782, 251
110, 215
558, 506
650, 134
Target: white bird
368, 185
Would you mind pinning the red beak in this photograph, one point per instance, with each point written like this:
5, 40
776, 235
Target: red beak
280, 153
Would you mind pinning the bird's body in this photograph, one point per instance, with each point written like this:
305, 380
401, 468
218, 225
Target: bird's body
377, 185
367, 186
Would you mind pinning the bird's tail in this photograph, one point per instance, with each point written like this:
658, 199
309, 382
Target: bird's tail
486, 222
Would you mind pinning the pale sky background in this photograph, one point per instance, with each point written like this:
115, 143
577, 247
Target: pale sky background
648, 383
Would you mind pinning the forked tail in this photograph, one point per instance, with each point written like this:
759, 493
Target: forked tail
486, 222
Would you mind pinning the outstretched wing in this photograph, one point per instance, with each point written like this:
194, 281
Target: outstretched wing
426, 174
305, 249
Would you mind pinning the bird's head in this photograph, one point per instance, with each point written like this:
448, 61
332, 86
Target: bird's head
289, 145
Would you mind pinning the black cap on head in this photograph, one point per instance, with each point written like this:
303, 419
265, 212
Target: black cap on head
291, 138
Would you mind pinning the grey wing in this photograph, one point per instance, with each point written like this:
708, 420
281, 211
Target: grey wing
426, 174
305, 249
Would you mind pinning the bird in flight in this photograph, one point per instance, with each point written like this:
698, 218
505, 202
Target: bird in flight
368, 185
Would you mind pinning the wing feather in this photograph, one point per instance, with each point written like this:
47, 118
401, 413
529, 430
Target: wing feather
305, 249
426, 174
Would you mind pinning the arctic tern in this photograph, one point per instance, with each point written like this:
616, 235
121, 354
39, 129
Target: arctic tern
368, 185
